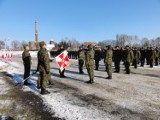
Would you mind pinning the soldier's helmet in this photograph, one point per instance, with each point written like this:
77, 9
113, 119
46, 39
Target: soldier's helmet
24, 46
109, 47
42, 43
90, 46
80, 47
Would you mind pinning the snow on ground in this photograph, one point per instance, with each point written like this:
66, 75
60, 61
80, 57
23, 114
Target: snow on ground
133, 97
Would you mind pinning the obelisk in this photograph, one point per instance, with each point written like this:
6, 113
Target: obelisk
36, 35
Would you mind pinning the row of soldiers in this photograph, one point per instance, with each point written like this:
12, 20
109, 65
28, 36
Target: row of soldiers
128, 55
87, 56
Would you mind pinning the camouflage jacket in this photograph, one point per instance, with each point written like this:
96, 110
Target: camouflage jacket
108, 58
26, 57
43, 61
136, 54
89, 58
81, 55
128, 56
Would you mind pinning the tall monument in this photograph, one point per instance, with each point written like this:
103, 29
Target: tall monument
36, 35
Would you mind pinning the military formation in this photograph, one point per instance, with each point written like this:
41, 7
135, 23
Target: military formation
91, 58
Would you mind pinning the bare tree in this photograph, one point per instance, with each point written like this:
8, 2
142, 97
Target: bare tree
15, 44
2, 44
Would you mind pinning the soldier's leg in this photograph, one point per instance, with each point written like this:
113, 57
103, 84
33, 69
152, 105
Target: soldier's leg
118, 66
156, 61
38, 82
151, 63
26, 74
43, 83
49, 79
60, 73
136, 62
127, 68
110, 71
92, 73
80, 66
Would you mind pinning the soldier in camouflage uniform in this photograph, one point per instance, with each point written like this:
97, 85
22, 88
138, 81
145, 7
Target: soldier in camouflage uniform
26, 57
89, 62
81, 57
128, 58
108, 61
43, 67
39, 78
151, 56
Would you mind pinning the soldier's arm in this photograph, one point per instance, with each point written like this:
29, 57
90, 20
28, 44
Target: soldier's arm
46, 64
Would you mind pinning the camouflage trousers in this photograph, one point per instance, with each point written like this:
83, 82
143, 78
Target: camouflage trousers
43, 80
109, 69
80, 63
90, 70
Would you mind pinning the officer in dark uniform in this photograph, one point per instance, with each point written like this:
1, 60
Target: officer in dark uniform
61, 72
136, 56
26, 57
148, 52
156, 56
143, 56
97, 57
151, 56
117, 56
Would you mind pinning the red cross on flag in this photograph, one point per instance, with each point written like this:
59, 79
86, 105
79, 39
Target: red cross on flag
62, 60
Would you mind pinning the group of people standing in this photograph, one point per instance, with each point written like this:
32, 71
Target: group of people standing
43, 67
91, 58
128, 55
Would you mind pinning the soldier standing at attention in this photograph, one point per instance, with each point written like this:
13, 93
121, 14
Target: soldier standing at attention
136, 57
81, 57
97, 57
26, 57
152, 56
44, 67
156, 56
89, 62
108, 61
128, 57
117, 55
142, 56
61, 72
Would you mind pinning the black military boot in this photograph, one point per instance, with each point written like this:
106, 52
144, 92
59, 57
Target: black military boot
50, 83
44, 92
90, 81
109, 77
26, 82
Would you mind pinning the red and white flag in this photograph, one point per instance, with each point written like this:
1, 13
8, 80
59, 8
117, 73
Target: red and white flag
3, 55
62, 60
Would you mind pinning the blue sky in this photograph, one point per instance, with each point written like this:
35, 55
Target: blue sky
85, 20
